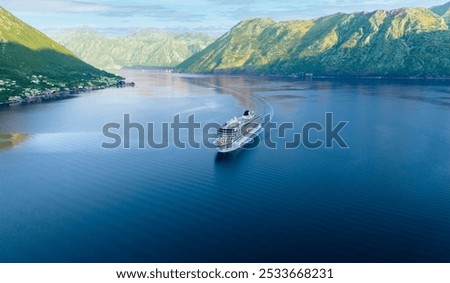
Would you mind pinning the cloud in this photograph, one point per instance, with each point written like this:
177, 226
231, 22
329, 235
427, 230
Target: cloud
160, 12
189, 14
110, 9
69, 6
296, 10
75, 6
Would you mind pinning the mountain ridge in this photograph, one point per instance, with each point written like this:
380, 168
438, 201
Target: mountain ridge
400, 42
145, 47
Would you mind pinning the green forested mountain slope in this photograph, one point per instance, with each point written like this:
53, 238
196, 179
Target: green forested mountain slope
151, 48
402, 42
32, 62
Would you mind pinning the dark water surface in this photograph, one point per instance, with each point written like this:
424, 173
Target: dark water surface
64, 198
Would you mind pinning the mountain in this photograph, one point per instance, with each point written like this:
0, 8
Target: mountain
148, 47
31, 62
443, 11
401, 42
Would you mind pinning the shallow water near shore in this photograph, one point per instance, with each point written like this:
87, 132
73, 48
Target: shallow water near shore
386, 198
10, 139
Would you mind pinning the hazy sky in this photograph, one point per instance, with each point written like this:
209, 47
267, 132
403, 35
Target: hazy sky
213, 16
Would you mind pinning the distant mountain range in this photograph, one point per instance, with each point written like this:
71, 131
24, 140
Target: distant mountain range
402, 42
148, 47
30, 62
443, 11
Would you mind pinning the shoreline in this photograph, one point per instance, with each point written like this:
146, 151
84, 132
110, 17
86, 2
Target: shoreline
47, 95
306, 75
312, 76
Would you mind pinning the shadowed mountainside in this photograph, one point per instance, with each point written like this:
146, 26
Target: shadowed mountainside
443, 11
31, 62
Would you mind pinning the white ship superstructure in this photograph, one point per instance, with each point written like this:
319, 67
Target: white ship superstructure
237, 132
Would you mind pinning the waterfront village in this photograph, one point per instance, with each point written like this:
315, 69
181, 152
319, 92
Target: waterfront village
41, 89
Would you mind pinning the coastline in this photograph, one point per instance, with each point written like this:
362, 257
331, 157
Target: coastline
303, 75
47, 95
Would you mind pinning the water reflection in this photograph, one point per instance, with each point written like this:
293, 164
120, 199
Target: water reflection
240, 88
158, 83
227, 157
235, 86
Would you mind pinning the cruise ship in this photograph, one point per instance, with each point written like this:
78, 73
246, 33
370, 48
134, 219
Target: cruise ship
237, 132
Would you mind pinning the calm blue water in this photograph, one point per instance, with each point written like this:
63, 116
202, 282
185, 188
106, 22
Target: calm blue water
64, 198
